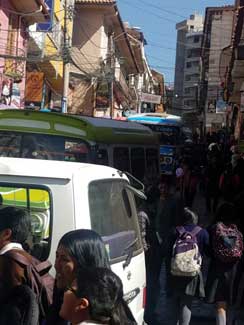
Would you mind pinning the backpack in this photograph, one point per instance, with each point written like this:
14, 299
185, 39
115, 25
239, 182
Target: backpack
37, 278
186, 259
227, 243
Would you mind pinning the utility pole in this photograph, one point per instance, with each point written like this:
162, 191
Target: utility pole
111, 76
66, 64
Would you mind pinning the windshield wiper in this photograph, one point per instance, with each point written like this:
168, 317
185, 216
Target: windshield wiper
129, 256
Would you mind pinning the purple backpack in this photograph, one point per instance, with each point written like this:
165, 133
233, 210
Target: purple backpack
227, 243
186, 259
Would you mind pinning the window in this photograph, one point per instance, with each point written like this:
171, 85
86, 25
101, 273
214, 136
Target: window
38, 203
138, 163
196, 39
188, 65
192, 53
188, 77
187, 90
240, 52
41, 146
121, 159
113, 216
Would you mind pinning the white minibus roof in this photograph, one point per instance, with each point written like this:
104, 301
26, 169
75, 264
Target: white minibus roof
53, 169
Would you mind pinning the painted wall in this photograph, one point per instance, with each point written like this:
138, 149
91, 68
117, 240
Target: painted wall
19, 43
89, 35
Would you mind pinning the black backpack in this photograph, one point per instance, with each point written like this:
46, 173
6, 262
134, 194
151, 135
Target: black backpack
37, 278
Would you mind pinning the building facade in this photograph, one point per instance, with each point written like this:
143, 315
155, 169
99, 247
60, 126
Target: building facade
47, 55
103, 61
15, 17
187, 72
217, 37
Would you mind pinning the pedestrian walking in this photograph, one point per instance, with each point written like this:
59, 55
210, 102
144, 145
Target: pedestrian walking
18, 303
168, 209
226, 248
188, 244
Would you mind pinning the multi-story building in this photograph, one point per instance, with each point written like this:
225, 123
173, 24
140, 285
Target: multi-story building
187, 72
103, 61
217, 36
15, 17
46, 55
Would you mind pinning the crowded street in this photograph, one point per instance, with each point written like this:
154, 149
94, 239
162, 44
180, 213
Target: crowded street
121, 162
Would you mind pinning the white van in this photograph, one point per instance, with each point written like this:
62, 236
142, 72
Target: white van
62, 196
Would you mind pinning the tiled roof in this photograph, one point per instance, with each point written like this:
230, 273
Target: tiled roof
96, 1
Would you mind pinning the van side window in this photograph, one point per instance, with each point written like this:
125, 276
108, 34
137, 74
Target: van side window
37, 202
138, 163
113, 216
121, 159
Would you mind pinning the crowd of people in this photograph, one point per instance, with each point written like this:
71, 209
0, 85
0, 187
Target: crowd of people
202, 262
218, 238
85, 290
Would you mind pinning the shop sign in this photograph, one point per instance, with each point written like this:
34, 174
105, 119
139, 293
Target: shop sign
150, 98
34, 86
221, 106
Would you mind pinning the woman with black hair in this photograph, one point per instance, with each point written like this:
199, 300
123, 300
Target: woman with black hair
78, 249
96, 297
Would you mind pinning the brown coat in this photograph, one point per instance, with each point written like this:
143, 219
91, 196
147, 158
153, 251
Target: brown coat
11, 274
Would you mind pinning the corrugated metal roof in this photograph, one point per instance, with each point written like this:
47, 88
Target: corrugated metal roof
96, 1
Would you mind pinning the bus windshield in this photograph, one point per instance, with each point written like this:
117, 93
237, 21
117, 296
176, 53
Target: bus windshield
168, 135
43, 146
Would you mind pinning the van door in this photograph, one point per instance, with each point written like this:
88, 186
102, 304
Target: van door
114, 217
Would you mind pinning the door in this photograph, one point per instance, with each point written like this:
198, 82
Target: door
113, 216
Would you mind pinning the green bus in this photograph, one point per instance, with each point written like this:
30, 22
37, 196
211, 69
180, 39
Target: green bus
127, 146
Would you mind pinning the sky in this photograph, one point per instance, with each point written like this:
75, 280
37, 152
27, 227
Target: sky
157, 20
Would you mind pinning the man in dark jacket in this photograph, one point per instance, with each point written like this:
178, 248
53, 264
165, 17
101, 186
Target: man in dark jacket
15, 296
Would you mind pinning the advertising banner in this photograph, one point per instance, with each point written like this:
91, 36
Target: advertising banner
150, 98
221, 106
34, 86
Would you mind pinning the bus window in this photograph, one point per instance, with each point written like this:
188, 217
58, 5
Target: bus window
114, 217
152, 161
138, 163
37, 202
121, 159
10, 144
102, 157
75, 150
43, 146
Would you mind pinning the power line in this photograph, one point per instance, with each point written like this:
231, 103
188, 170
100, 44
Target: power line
161, 9
148, 11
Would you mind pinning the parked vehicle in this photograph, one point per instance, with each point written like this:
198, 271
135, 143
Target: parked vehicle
169, 130
52, 136
62, 196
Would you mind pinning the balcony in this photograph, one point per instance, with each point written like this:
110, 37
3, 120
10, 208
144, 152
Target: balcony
31, 6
